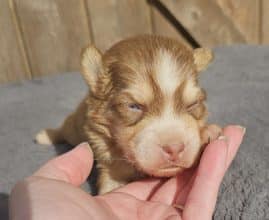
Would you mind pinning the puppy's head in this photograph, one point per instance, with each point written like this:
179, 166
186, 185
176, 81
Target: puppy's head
154, 106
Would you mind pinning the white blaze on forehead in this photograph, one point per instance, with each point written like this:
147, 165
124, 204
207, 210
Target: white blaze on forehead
167, 72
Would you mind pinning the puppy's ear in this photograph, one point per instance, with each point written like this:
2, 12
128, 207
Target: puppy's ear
202, 58
92, 66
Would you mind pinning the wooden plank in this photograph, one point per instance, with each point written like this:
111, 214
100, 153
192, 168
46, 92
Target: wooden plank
265, 22
54, 33
245, 15
13, 67
161, 26
113, 20
205, 21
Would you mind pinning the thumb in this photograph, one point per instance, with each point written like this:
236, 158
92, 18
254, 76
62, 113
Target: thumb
72, 167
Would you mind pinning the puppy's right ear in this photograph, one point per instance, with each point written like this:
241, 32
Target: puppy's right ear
202, 58
92, 66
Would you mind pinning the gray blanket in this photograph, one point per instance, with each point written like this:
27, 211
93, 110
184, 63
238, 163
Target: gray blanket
238, 93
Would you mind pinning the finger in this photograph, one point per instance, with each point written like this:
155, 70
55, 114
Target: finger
184, 192
236, 132
72, 167
229, 131
202, 197
170, 189
166, 193
142, 189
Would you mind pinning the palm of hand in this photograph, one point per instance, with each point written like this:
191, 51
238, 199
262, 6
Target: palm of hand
149, 199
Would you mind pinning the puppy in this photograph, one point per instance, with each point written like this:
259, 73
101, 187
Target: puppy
145, 113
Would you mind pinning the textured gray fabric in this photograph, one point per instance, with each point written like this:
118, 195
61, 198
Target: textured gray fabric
237, 84
238, 92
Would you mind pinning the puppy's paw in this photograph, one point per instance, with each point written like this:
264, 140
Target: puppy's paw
210, 133
43, 138
49, 137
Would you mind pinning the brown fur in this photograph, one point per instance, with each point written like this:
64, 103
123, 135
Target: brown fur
130, 74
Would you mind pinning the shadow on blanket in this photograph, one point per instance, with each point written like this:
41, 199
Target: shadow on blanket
4, 206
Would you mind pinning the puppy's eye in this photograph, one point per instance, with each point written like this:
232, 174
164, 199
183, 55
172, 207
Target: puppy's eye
193, 106
135, 107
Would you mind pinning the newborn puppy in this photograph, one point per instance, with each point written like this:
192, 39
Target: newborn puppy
144, 114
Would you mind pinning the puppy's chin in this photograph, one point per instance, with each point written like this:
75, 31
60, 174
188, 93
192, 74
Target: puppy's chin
166, 172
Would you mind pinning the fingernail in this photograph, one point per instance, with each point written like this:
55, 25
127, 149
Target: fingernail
242, 128
173, 217
84, 144
223, 138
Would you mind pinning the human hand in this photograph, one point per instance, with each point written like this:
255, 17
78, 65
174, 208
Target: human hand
53, 191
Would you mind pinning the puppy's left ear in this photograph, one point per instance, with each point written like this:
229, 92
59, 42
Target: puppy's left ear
92, 66
202, 58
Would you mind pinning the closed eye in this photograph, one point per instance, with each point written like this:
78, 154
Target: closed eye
193, 105
135, 107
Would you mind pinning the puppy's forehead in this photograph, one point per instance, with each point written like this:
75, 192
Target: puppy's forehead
169, 71
145, 61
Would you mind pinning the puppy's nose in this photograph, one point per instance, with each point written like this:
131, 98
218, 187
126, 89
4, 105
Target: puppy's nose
173, 150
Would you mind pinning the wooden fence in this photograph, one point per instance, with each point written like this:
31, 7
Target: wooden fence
41, 37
